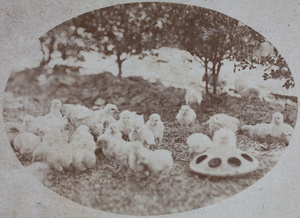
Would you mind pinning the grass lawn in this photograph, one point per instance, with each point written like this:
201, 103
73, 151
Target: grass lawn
104, 188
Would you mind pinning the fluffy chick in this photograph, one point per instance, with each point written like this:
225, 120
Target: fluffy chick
55, 150
277, 119
83, 139
156, 126
186, 116
113, 131
198, 143
158, 161
60, 157
56, 106
29, 124
82, 159
276, 131
224, 138
50, 121
26, 143
128, 121
143, 134
193, 94
117, 150
78, 114
219, 121
107, 115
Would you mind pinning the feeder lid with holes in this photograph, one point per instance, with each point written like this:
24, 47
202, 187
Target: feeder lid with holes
227, 161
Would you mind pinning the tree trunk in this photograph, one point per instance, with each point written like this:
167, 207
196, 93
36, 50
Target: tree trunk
206, 76
119, 62
214, 74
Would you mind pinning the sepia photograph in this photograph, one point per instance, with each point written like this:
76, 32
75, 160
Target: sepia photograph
150, 108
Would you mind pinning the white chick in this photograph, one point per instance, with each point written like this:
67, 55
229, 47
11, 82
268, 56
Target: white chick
219, 121
277, 119
133, 163
83, 139
224, 138
259, 132
158, 161
26, 143
52, 139
117, 149
287, 133
107, 114
128, 121
78, 114
55, 150
198, 143
276, 131
97, 128
186, 116
41, 151
83, 159
51, 121
106, 143
29, 124
156, 126
113, 131
193, 94
142, 133
56, 107
60, 156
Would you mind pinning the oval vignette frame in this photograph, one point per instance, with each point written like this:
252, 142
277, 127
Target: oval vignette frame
281, 161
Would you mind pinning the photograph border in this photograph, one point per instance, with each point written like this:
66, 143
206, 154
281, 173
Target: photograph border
275, 195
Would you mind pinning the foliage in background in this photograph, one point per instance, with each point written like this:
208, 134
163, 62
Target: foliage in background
126, 30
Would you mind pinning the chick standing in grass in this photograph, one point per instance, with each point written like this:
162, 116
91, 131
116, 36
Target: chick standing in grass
26, 143
198, 143
28, 125
224, 138
107, 114
113, 131
276, 131
193, 94
55, 150
83, 139
158, 161
128, 121
118, 150
186, 116
83, 146
56, 107
156, 126
78, 114
53, 119
143, 134
219, 121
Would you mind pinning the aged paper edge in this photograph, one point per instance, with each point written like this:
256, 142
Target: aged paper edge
276, 195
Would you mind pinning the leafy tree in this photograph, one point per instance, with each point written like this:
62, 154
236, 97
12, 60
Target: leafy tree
125, 30
279, 69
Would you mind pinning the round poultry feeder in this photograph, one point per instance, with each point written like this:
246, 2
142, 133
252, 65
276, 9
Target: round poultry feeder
224, 162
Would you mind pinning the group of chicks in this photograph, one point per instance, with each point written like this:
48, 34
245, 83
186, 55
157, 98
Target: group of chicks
70, 136
226, 127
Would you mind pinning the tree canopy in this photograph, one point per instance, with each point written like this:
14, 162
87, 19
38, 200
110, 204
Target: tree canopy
133, 29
